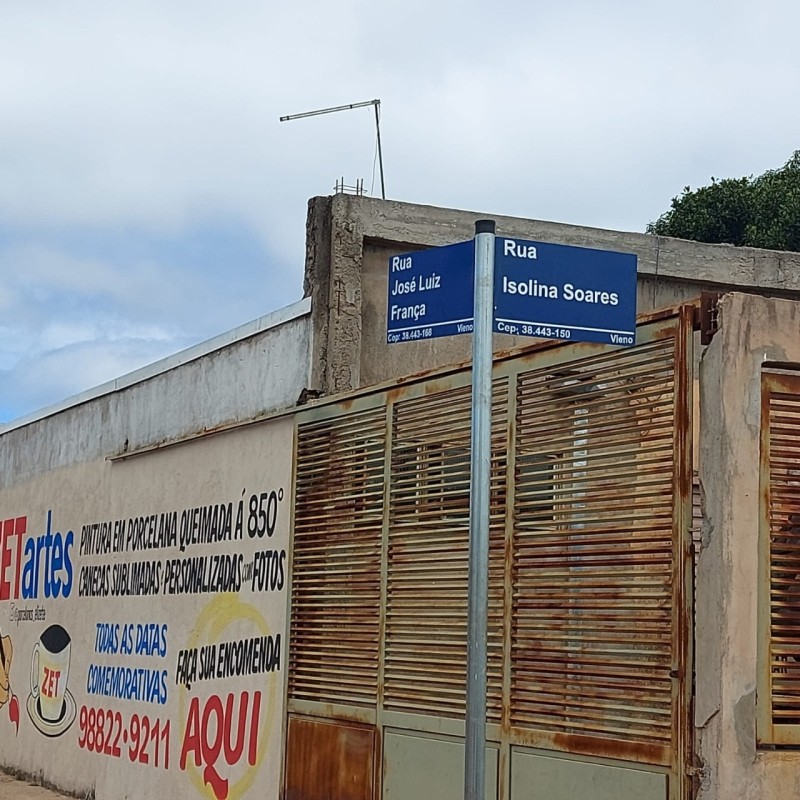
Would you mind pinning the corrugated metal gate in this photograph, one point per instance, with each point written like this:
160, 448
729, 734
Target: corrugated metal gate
590, 578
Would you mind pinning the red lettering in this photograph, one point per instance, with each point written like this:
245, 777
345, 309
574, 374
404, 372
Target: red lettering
233, 752
5, 559
218, 784
11, 568
252, 750
220, 730
211, 749
20, 528
50, 685
191, 738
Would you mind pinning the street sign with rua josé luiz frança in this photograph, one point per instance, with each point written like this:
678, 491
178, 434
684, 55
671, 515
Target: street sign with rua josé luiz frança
430, 293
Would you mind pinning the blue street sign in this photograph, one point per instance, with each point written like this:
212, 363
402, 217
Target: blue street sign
431, 293
550, 291
553, 291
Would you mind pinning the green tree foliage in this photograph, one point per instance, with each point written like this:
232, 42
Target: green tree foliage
756, 212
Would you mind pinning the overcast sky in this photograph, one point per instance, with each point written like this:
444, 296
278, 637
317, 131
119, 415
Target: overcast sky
150, 198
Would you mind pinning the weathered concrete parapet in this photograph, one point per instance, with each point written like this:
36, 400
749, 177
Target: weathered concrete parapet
753, 331
316, 284
669, 259
350, 239
255, 369
347, 252
334, 255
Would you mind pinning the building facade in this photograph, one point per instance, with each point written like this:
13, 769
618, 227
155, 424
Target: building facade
241, 572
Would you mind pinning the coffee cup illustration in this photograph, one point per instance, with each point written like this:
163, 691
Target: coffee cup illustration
51, 706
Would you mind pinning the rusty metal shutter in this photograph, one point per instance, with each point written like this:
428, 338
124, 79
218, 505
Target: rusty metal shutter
590, 575
428, 540
336, 581
780, 466
593, 550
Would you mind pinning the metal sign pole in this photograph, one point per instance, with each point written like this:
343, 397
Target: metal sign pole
480, 474
427, 297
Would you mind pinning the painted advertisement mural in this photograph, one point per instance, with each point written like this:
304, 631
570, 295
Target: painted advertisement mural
143, 608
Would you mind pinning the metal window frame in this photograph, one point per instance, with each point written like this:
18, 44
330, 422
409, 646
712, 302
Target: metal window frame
774, 382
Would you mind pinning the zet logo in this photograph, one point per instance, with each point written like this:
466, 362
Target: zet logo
34, 566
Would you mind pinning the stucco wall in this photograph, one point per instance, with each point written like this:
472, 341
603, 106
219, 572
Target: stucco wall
253, 370
144, 650
753, 330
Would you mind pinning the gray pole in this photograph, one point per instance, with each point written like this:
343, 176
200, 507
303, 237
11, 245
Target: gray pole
480, 474
380, 151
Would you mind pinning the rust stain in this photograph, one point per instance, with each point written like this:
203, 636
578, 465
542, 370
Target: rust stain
327, 760
342, 713
666, 333
707, 316
611, 748
664, 313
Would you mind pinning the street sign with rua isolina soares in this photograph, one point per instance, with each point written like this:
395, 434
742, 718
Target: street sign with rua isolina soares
543, 290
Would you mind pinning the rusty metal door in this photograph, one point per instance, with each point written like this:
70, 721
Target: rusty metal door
590, 575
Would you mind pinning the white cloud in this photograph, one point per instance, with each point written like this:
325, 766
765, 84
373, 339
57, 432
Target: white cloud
160, 120
53, 375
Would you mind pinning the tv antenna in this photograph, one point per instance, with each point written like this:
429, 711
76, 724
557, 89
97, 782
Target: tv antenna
376, 104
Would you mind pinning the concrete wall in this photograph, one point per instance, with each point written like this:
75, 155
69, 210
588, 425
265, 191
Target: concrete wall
143, 649
349, 240
753, 330
124, 582
255, 369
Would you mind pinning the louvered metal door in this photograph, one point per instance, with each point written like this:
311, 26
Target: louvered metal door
597, 551
590, 576
427, 562
336, 559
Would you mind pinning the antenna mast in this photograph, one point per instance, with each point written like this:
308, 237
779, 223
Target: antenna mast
376, 104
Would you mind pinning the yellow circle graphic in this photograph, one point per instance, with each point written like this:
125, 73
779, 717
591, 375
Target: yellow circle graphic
223, 611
